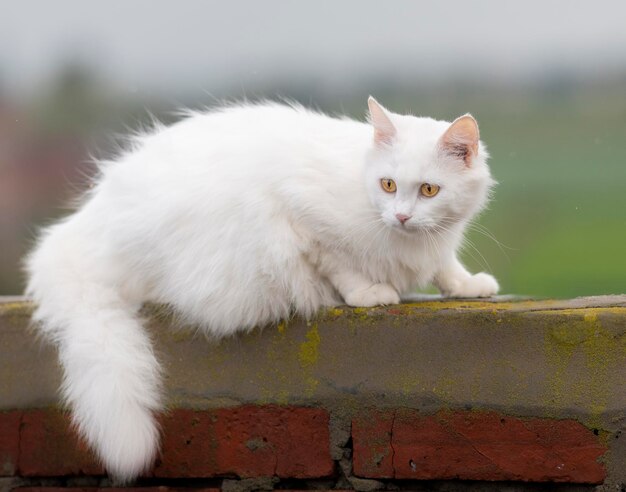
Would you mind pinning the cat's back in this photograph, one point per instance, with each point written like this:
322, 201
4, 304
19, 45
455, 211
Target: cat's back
232, 183
241, 153
261, 127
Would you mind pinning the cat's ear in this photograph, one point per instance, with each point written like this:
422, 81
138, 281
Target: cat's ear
461, 139
384, 131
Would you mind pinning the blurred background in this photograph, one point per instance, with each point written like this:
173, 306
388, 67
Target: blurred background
545, 79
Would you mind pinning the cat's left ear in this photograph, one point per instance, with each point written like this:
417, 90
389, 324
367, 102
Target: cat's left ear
384, 130
461, 139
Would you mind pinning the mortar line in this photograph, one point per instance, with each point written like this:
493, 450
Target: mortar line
393, 450
20, 425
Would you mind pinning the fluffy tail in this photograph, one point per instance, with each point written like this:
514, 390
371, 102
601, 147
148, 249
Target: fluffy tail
111, 377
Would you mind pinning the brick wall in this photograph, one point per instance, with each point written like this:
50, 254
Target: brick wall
358, 436
294, 442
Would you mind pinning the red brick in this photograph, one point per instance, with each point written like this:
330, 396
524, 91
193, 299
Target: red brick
9, 442
480, 446
50, 448
246, 441
371, 441
187, 446
113, 489
297, 438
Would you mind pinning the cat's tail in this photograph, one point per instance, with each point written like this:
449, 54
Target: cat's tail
111, 378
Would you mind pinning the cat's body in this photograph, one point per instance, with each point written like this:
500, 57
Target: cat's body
237, 218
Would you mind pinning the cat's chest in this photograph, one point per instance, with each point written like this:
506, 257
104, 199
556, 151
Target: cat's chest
405, 271
402, 266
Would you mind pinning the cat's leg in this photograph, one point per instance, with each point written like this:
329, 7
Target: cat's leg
358, 291
355, 288
454, 280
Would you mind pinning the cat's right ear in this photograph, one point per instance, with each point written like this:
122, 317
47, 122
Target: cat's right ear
461, 139
384, 131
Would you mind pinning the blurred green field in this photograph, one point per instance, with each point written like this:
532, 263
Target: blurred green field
560, 208
557, 224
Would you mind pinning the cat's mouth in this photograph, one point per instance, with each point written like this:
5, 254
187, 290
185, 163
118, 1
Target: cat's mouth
406, 229
415, 229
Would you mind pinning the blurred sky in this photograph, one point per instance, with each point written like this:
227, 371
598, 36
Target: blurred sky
545, 78
148, 45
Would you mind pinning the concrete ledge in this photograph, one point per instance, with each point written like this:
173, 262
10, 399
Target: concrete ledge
541, 360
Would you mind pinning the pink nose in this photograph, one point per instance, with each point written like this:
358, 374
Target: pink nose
402, 218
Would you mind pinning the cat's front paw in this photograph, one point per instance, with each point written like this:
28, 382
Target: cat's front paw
375, 295
478, 285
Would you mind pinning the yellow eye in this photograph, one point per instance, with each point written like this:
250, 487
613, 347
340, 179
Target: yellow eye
429, 190
389, 185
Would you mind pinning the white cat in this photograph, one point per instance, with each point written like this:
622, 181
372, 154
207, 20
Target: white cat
239, 217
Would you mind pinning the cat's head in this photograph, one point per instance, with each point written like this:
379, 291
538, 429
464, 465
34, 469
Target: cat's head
424, 174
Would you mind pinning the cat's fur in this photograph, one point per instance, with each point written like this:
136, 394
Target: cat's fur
236, 218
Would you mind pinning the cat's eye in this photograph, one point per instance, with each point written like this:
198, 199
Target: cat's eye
389, 185
429, 190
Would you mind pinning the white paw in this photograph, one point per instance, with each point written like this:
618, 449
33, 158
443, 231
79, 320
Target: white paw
479, 285
375, 295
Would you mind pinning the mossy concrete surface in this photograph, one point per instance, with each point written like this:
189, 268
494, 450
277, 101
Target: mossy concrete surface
540, 358
555, 359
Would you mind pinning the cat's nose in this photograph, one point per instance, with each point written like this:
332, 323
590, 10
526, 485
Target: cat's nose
402, 218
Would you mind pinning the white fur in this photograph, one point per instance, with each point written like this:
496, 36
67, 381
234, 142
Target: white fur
236, 218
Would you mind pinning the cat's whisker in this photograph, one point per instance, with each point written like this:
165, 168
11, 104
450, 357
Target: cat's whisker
487, 233
363, 229
467, 242
480, 229
373, 241
500, 246
431, 241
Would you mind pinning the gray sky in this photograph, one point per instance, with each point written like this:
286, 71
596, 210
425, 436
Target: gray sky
193, 44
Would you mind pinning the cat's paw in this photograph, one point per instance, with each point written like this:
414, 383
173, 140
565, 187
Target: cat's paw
478, 285
375, 295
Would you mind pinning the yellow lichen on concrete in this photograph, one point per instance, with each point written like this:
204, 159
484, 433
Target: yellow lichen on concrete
458, 304
280, 397
583, 335
407, 384
271, 379
444, 388
309, 350
335, 311
550, 359
274, 382
16, 313
311, 385
16, 307
308, 356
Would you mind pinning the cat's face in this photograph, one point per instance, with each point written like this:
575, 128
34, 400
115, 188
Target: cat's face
424, 174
